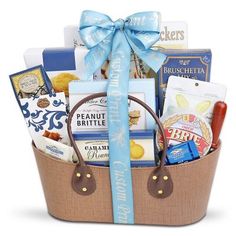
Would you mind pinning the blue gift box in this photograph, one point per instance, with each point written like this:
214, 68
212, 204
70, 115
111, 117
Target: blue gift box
188, 63
93, 114
94, 147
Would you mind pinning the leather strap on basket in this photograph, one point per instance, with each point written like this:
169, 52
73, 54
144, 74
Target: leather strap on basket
159, 183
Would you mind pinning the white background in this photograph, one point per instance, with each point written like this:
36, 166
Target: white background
25, 24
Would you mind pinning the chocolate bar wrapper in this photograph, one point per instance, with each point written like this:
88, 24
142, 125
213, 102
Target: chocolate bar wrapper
183, 152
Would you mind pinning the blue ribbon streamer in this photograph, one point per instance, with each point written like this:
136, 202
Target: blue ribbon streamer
105, 38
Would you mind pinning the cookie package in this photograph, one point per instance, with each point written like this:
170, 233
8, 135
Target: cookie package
94, 147
62, 65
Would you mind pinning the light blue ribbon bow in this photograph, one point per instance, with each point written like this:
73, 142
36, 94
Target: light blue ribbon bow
141, 31
105, 38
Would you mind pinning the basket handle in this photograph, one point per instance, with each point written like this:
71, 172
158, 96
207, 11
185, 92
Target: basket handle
159, 182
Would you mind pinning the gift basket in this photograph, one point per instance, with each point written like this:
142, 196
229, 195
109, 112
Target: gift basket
123, 131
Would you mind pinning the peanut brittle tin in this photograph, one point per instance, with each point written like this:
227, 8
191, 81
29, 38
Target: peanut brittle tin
181, 127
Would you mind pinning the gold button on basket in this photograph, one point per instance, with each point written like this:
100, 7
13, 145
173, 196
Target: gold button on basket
165, 177
84, 189
154, 177
88, 176
78, 174
160, 191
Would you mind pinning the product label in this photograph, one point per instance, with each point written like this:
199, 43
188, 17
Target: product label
98, 150
28, 83
194, 67
173, 35
92, 115
180, 128
53, 150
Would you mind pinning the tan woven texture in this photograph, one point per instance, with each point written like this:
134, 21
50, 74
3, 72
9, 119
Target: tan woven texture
187, 204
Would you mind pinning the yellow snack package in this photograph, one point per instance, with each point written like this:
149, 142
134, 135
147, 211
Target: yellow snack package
60, 82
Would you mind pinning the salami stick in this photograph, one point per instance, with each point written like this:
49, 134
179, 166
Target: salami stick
219, 113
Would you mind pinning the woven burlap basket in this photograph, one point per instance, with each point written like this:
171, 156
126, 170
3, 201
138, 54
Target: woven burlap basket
185, 188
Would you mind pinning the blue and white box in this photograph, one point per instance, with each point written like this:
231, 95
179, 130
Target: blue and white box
94, 147
187, 63
46, 113
57, 60
92, 116
62, 65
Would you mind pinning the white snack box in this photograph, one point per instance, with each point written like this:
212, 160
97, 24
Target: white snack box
58, 60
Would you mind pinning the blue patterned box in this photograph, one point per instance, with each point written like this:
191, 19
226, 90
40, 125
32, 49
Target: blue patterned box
46, 113
188, 63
